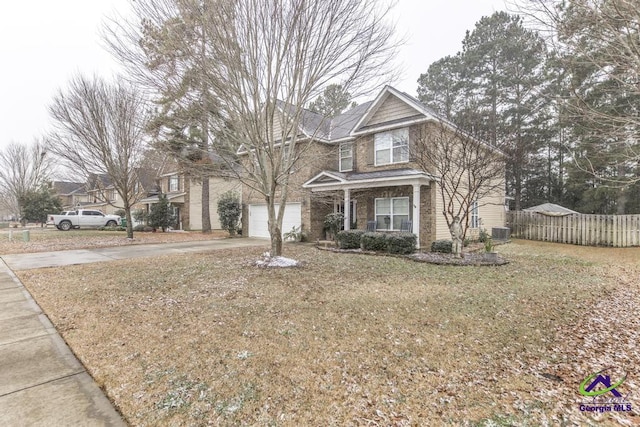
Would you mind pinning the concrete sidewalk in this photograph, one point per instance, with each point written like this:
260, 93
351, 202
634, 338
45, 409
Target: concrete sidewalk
42, 383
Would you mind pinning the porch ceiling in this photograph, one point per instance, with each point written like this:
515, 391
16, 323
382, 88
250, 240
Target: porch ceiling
331, 180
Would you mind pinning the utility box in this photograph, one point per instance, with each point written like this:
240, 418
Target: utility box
25, 236
500, 233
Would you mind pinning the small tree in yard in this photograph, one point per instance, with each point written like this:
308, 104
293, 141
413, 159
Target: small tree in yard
333, 224
161, 215
469, 170
229, 211
100, 130
36, 204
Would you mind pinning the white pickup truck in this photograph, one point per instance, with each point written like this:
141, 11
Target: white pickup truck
82, 218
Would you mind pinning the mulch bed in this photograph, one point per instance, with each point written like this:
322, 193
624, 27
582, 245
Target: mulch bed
468, 258
450, 259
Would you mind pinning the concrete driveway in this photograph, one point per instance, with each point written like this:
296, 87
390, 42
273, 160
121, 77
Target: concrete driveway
17, 262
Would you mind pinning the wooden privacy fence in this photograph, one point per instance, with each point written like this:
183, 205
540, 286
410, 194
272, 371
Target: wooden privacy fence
587, 230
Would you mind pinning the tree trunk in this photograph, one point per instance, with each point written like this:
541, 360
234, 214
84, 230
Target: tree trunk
275, 229
206, 215
127, 215
276, 242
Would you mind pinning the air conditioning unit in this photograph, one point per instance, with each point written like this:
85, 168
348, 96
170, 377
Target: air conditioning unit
500, 233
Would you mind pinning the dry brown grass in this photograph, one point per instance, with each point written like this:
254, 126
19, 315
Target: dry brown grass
345, 340
45, 240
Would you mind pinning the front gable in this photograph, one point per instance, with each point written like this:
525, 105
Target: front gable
391, 108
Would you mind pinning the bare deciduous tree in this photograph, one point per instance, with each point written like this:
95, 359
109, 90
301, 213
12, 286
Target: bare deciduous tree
100, 130
262, 61
469, 170
164, 50
271, 59
23, 168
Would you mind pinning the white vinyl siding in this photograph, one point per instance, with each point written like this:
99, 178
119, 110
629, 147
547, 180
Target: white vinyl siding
392, 147
346, 156
391, 109
391, 212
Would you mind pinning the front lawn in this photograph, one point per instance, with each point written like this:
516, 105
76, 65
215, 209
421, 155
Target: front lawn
344, 340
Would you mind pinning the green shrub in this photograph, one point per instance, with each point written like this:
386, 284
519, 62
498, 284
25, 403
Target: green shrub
401, 243
374, 241
484, 235
444, 246
112, 228
139, 215
161, 215
333, 223
142, 227
349, 239
229, 211
294, 235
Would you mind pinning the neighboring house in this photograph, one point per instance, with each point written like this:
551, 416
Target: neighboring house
359, 163
185, 195
551, 209
103, 196
72, 195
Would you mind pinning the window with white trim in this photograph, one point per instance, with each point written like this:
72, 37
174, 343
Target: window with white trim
391, 147
346, 156
391, 212
475, 215
174, 183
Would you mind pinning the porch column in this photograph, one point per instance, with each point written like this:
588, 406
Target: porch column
347, 209
416, 212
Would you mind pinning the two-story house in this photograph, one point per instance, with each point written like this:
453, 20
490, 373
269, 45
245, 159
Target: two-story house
184, 193
72, 195
365, 170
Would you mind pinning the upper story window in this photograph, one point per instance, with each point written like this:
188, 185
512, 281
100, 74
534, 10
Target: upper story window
346, 156
392, 147
174, 183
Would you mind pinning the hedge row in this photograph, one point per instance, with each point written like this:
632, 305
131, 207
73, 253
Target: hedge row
393, 243
444, 246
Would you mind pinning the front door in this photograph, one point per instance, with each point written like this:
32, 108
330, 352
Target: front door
338, 207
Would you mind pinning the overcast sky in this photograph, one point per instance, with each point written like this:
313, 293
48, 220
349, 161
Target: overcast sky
43, 43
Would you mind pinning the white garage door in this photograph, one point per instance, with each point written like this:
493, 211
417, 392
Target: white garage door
258, 219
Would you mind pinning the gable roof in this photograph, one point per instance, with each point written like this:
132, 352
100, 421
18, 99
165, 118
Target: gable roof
422, 112
358, 120
551, 209
66, 188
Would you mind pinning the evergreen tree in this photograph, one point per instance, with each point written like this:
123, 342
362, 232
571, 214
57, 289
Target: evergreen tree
441, 87
37, 204
161, 215
333, 101
492, 89
229, 211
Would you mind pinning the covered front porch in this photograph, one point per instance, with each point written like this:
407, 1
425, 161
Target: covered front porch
176, 201
390, 201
